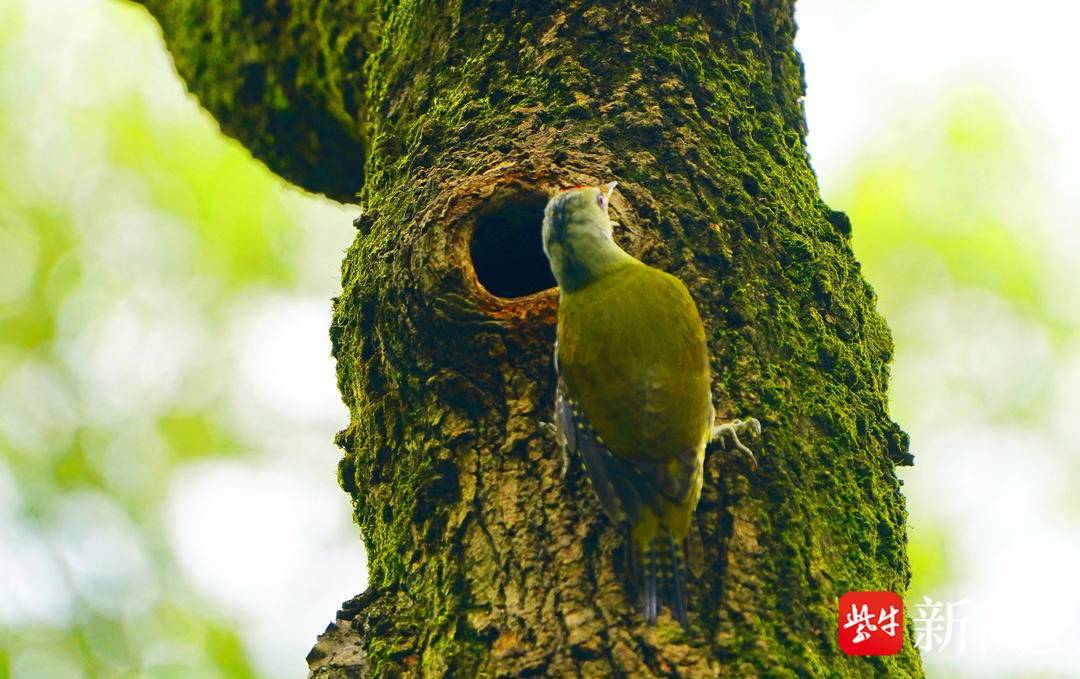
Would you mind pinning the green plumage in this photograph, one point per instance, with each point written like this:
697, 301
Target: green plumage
632, 356
633, 399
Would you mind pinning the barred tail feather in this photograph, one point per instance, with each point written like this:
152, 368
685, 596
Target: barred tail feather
659, 570
678, 581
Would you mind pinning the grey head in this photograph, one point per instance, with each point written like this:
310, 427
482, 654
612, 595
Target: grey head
578, 238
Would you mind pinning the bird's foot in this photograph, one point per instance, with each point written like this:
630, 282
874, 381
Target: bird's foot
733, 428
548, 431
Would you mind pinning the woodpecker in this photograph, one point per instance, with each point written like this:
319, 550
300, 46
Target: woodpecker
633, 397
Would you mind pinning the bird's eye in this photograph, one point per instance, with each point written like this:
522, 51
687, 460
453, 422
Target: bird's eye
601, 200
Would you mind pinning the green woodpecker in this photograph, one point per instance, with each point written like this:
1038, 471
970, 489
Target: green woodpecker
633, 399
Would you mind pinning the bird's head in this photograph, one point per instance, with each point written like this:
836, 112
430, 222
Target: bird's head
577, 230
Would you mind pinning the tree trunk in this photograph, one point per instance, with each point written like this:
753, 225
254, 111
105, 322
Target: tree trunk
455, 120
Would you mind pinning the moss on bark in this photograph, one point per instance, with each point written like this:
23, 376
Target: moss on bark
482, 561
284, 77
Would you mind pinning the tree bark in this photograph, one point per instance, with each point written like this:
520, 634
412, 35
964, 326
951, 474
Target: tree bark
454, 121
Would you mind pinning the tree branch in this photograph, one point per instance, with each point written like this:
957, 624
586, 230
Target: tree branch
284, 77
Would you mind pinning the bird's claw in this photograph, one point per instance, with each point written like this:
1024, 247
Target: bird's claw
549, 431
735, 427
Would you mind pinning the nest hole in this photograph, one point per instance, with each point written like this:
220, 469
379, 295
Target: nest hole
507, 250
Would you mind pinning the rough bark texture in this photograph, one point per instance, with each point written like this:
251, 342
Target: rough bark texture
455, 119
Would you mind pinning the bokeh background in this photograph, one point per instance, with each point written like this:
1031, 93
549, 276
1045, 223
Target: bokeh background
168, 504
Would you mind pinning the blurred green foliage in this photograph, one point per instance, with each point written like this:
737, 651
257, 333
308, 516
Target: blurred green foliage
924, 225
945, 206
130, 230
949, 224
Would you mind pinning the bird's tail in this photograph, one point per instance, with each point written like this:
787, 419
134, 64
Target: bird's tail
659, 569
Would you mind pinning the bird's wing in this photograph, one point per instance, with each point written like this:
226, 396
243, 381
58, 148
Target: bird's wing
625, 487
577, 435
634, 358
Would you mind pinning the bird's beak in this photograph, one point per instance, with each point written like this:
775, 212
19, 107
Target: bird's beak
609, 187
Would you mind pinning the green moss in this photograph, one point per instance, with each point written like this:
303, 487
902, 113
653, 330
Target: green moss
281, 76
